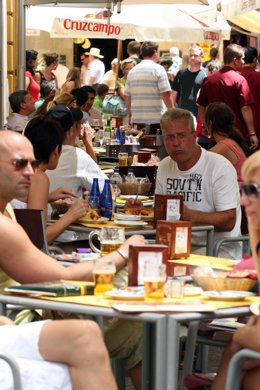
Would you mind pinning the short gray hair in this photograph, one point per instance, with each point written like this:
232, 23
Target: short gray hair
175, 114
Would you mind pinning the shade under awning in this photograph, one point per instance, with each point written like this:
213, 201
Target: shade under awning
248, 23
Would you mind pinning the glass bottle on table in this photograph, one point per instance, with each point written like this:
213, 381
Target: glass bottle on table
106, 201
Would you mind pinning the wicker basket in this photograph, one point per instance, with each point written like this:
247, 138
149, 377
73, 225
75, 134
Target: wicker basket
220, 284
135, 188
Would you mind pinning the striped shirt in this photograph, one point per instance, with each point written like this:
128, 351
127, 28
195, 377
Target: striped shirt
145, 84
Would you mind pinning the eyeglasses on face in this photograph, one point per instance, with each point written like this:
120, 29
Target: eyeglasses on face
250, 190
20, 163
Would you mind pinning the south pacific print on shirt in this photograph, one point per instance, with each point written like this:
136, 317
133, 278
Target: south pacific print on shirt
190, 187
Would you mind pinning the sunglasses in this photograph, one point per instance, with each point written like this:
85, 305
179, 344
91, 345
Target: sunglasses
250, 190
20, 163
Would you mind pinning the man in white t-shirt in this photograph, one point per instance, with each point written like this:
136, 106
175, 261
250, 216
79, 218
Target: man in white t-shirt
207, 181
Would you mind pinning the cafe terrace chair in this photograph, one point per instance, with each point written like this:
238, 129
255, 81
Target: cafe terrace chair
32, 222
220, 241
234, 373
17, 383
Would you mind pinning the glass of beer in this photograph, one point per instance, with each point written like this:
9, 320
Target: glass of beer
103, 274
111, 238
122, 159
154, 280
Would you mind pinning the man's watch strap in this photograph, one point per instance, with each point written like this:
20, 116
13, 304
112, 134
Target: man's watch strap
123, 255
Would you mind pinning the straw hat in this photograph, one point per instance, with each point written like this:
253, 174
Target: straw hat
94, 51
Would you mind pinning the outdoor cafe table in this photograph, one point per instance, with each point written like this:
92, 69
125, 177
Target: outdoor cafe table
162, 329
148, 231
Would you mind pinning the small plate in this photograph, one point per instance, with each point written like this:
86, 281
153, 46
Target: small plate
127, 217
190, 291
87, 220
139, 197
127, 294
130, 223
227, 295
255, 308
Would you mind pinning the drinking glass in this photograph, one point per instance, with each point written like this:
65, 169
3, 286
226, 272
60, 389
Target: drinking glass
103, 274
123, 159
101, 137
154, 280
111, 238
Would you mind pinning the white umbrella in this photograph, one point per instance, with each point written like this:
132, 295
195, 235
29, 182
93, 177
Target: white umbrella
155, 22
232, 8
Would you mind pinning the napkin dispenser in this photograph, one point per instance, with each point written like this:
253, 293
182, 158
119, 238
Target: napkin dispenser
176, 235
141, 254
168, 207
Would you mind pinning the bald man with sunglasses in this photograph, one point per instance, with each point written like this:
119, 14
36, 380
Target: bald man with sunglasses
32, 265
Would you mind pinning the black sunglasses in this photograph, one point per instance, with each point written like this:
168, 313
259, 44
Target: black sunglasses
20, 163
250, 190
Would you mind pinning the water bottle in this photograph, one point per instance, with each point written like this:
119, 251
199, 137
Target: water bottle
95, 188
130, 177
106, 202
118, 134
122, 136
115, 181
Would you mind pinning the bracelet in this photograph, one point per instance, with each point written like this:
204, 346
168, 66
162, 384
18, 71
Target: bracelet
251, 134
123, 255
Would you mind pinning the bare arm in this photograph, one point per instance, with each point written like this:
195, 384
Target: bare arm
202, 112
167, 98
22, 261
39, 192
87, 141
222, 220
92, 80
174, 97
120, 91
128, 106
248, 118
254, 234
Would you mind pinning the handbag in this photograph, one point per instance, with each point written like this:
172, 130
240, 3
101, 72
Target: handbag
114, 105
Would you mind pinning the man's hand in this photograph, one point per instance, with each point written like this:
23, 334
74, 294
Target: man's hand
254, 142
77, 210
61, 193
133, 240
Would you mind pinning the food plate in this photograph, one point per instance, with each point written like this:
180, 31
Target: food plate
227, 295
139, 197
88, 220
127, 294
255, 308
130, 223
191, 291
127, 217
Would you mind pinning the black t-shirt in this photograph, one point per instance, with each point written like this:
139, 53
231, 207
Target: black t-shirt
187, 84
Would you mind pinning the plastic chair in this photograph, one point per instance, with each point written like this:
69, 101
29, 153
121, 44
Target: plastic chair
235, 367
14, 369
32, 222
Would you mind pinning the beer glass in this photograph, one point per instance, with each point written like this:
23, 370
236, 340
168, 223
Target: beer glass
111, 238
103, 274
154, 280
122, 159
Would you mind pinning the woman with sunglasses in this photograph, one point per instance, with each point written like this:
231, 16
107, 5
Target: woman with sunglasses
247, 336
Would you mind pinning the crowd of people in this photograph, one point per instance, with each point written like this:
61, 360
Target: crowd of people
206, 113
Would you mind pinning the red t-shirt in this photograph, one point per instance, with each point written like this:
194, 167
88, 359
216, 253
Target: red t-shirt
253, 79
228, 86
33, 87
